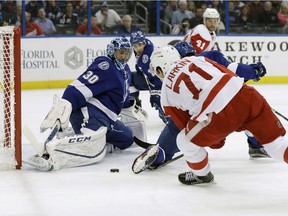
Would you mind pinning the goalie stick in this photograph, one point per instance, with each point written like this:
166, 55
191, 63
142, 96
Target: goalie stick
41, 149
145, 145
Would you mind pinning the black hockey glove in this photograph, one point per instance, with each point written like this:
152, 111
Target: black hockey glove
260, 71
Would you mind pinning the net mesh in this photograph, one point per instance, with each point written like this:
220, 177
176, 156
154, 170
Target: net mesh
7, 99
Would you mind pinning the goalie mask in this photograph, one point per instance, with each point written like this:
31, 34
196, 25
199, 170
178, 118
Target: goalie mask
119, 50
161, 60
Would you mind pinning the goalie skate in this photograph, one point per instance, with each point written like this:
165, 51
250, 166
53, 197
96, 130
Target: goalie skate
40, 163
189, 178
145, 160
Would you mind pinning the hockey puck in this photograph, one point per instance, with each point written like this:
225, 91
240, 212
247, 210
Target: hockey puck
114, 170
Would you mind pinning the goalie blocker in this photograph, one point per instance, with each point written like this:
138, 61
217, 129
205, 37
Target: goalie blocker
72, 151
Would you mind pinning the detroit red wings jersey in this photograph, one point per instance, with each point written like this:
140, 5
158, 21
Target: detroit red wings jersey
196, 87
200, 38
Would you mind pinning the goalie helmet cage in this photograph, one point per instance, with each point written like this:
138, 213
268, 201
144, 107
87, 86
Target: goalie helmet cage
10, 98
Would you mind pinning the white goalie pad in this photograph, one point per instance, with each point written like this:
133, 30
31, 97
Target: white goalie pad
61, 109
133, 113
138, 129
78, 150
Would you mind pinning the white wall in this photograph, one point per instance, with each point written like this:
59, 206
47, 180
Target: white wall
45, 59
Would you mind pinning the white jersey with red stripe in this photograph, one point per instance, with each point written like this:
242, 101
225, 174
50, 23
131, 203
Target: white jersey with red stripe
195, 87
201, 39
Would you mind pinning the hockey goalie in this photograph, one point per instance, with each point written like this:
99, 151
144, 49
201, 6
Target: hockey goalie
99, 109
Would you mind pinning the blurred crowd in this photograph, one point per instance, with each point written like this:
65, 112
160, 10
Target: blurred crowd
243, 16
52, 17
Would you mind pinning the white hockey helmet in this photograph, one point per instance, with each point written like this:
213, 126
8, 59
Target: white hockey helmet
162, 58
211, 13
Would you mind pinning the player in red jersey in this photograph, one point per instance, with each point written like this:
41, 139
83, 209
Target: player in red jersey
203, 37
207, 102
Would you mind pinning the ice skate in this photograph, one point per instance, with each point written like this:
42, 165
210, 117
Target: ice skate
145, 160
257, 152
189, 178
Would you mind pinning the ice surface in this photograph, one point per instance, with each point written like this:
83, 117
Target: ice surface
242, 186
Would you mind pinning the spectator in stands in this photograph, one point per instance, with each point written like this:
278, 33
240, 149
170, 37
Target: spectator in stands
191, 6
237, 6
46, 24
81, 10
198, 19
95, 6
33, 6
16, 17
170, 8
69, 20
232, 14
53, 11
218, 5
126, 27
256, 8
182, 28
4, 16
83, 28
9, 6
269, 16
32, 28
283, 14
107, 18
276, 4
181, 13
245, 17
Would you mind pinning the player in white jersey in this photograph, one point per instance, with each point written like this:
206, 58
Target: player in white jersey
203, 37
207, 102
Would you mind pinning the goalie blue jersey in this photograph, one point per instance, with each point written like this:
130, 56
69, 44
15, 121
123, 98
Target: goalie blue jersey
143, 64
102, 86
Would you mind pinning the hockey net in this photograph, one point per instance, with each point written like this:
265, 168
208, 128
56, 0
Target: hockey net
10, 98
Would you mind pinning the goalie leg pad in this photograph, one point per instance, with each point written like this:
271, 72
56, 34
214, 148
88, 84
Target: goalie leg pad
40, 163
133, 113
78, 150
138, 128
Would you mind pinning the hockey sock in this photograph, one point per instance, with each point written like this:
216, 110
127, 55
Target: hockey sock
254, 143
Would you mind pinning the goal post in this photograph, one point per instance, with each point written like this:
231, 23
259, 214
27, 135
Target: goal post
10, 98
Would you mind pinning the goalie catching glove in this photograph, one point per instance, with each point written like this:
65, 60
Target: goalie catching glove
61, 109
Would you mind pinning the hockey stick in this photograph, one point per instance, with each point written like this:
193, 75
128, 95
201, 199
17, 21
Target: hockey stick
41, 149
279, 114
167, 162
142, 144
